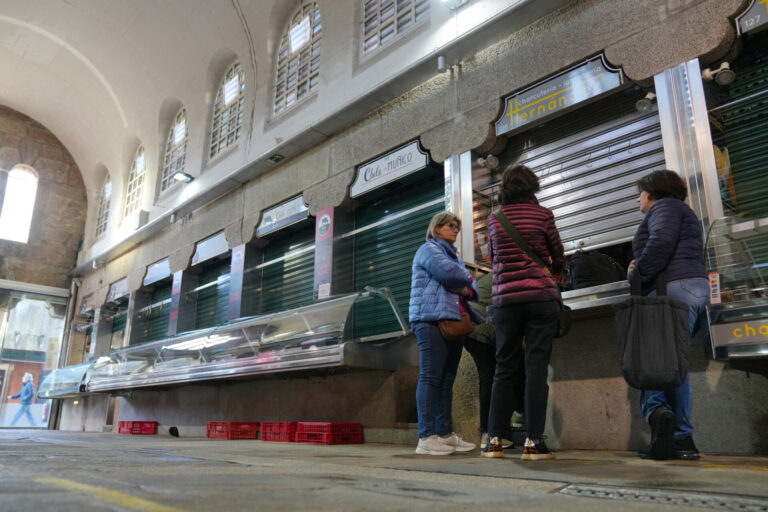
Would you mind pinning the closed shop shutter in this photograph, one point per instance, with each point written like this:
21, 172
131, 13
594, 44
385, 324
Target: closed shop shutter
742, 130
119, 319
159, 312
213, 294
289, 271
588, 162
383, 254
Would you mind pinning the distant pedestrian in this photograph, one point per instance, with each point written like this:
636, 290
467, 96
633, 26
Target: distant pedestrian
27, 395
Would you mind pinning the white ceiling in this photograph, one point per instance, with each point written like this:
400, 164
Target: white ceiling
97, 72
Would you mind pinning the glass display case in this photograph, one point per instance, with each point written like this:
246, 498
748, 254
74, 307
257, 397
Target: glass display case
737, 262
64, 382
314, 336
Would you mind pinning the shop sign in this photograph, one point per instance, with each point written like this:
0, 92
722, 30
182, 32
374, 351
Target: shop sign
755, 17
118, 290
392, 166
561, 92
282, 215
210, 247
87, 304
740, 333
157, 271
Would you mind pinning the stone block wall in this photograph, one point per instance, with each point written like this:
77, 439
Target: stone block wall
60, 206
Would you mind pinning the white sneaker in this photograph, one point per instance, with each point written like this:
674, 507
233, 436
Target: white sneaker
518, 419
433, 445
457, 442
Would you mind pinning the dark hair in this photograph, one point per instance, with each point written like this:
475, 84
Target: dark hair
518, 184
663, 183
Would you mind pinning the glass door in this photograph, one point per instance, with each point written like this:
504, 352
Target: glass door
31, 328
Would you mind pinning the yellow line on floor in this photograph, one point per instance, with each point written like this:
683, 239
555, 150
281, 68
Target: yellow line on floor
115, 497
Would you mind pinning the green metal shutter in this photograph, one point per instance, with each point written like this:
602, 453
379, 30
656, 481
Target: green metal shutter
119, 320
745, 127
288, 283
384, 253
213, 295
159, 312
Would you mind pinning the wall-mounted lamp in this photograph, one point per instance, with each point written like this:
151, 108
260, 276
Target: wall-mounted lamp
173, 217
723, 75
454, 4
441, 67
490, 162
182, 176
645, 105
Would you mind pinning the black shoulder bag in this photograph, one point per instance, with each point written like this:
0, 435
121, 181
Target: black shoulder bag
564, 318
653, 337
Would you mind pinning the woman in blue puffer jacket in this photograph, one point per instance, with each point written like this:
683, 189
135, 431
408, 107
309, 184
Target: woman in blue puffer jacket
669, 240
440, 284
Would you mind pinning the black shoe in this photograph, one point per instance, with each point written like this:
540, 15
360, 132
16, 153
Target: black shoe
686, 450
663, 423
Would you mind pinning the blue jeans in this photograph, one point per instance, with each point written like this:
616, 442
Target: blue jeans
24, 409
438, 363
695, 293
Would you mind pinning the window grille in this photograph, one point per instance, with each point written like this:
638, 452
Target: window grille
175, 150
135, 183
385, 20
228, 111
298, 58
18, 205
102, 217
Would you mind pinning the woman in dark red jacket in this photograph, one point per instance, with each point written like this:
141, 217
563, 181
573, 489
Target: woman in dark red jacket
525, 306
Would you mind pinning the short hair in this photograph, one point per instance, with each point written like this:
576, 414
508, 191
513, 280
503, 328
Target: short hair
438, 220
27, 377
518, 183
663, 183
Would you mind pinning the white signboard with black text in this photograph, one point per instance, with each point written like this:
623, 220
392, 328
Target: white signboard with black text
392, 166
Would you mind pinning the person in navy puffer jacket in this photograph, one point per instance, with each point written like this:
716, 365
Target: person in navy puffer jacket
27, 395
526, 306
440, 286
669, 240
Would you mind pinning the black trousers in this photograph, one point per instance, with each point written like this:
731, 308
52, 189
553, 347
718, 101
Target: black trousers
484, 356
536, 322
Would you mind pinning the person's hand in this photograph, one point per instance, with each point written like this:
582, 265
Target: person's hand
631, 267
9, 397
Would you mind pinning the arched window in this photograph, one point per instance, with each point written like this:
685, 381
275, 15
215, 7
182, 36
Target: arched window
135, 183
297, 71
228, 110
18, 204
102, 217
175, 150
385, 20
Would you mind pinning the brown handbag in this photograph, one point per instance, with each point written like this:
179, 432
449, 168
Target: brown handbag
454, 330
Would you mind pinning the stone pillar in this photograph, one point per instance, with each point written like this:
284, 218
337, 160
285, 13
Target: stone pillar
101, 337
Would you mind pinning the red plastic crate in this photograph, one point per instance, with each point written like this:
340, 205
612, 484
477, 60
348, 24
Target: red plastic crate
232, 430
280, 431
329, 433
137, 427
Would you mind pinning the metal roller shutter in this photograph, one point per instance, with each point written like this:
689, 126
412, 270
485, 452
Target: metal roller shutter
383, 254
588, 162
213, 295
288, 283
743, 127
159, 312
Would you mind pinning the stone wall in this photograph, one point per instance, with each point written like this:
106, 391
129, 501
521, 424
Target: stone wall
60, 206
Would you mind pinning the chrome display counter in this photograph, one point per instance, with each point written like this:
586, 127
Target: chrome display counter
315, 336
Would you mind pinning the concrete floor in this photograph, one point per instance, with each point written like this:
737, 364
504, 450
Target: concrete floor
65, 471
